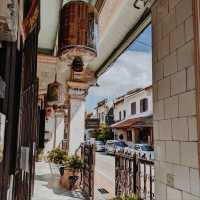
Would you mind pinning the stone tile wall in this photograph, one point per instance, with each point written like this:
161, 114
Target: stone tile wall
175, 120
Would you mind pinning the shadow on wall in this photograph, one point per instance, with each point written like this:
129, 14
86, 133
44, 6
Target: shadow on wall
75, 108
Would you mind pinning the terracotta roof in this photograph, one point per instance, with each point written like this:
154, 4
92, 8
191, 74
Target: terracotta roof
134, 122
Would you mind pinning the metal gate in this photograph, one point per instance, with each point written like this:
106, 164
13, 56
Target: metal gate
134, 174
88, 155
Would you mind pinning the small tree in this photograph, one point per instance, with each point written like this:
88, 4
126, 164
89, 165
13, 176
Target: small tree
103, 133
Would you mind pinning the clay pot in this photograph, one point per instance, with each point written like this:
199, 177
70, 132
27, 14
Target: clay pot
70, 179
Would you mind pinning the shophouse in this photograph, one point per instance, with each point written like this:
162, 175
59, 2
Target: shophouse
133, 114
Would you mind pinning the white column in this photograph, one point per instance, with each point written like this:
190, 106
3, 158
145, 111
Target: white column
77, 124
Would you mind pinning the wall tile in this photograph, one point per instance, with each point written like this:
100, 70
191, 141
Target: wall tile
178, 82
171, 107
165, 130
173, 152
185, 55
164, 88
189, 154
180, 129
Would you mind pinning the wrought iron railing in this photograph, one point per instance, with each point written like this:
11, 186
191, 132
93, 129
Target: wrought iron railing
88, 155
134, 174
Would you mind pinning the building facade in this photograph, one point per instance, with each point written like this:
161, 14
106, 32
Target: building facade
105, 112
133, 114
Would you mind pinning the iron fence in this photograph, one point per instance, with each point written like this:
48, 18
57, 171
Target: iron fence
88, 156
134, 174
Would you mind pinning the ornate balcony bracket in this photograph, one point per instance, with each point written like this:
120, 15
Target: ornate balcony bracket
77, 90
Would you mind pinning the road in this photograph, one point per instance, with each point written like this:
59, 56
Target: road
104, 175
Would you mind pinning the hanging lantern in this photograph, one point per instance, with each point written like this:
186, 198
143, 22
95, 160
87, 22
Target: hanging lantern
78, 34
55, 94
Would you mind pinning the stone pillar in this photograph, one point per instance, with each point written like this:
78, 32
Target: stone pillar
77, 93
175, 112
77, 124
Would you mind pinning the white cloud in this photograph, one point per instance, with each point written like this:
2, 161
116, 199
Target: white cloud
132, 69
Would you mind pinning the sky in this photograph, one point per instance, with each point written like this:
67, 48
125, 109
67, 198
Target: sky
131, 70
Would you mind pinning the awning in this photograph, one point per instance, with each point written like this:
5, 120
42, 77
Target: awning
134, 123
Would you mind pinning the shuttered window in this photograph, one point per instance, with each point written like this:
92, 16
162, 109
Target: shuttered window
143, 105
133, 108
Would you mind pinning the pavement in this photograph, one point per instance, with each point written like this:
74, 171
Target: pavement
47, 185
104, 176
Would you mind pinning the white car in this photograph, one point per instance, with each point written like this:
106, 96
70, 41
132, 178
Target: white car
100, 146
144, 150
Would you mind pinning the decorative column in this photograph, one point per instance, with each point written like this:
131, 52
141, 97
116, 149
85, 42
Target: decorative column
77, 92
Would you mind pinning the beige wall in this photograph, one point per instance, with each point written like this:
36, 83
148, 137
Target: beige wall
175, 120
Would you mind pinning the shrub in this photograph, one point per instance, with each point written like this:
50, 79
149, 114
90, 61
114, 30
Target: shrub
57, 156
74, 162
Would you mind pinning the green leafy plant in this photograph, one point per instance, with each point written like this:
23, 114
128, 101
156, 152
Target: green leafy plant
129, 197
57, 156
103, 133
74, 162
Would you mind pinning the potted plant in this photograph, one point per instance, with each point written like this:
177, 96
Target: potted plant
57, 158
72, 172
129, 197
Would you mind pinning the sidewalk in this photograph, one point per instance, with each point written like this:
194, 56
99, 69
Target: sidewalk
47, 186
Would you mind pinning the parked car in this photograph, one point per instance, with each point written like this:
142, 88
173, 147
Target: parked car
100, 146
113, 146
145, 150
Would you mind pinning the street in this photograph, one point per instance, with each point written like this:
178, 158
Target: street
104, 175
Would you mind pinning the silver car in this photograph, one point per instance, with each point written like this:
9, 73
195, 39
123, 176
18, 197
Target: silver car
113, 146
100, 146
144, 150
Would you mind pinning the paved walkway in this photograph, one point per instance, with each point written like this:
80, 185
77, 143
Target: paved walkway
47, 186
104, 176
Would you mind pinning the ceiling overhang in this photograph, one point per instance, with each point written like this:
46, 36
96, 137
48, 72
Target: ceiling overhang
124, 20
127, 23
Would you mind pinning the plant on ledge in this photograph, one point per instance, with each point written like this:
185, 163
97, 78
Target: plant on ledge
74, 163
130, 197
57, 156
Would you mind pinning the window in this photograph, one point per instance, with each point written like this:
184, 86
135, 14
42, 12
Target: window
102, 117
120, 115
129, 136
124, 114
143, 105
133, 108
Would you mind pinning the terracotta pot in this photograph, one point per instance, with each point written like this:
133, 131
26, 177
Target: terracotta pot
66, 179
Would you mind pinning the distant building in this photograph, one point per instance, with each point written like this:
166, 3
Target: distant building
105, 112
133, 114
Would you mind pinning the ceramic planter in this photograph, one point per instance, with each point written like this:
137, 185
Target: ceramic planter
70, 179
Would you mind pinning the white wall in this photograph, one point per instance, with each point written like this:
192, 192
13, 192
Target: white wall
77, 124
50, 126
136, 98
126, 105
117, 108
